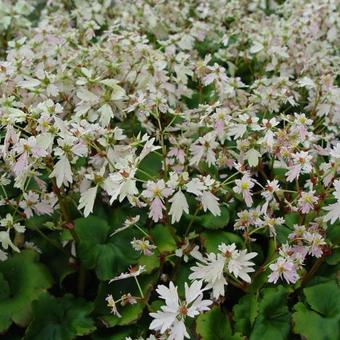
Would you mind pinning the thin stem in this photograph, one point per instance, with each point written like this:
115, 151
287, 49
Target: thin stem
4, 190
145, 173
163, 148
142, 231
81, 280
139, 287
68, 219
172, 120
228, 178
235, 283
192, 221
56, 245
312, 271
255, 230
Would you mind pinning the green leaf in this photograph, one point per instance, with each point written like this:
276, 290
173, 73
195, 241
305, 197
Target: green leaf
60, 318
5, 290
245, 313
324, 298
210, 221
333, 233
212, 239
106, 254
22, 280
150, 262
119, 215
291, 219
129, 315
182, 276
119, 334
208, 169
262, 278
163, 238
214, 325
334, 258
313, 326
273, 321
279, 174
36, 222
151, 164
282, 233
58, 262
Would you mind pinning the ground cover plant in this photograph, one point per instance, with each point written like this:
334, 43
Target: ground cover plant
169, 169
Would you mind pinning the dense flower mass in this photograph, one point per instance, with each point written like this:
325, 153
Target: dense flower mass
194, 143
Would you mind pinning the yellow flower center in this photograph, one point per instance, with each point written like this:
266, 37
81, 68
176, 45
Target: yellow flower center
308, 199
156, 192
244, 186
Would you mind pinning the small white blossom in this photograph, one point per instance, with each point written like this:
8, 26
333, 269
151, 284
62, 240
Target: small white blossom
172, 315
111, 304
133, 272
334, 209
143, 246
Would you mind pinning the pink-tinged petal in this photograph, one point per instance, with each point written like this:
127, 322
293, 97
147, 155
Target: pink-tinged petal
219, 126
273, 277
21, 164
210, 202
293, 172
156, 209
43, 208
247, 198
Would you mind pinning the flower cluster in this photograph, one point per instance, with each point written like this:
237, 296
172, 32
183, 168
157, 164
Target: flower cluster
204, 133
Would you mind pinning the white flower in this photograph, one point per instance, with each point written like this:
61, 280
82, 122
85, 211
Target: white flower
284, 269
217, 73
271, 187
315, 241
335, 152
253, 156
301, 164
6, 241
29, 200
8, 223
143, 246
271, 222
111, 303
128, 299
87, 199
172, 315
106, 114
306, 201
3, 255
211, 270
148, 146
238, 264
121, 184
334, 209
130, 221
178, 206
204, 147
133, 272
243, 186
62, 172
201, 186
210, 202
156, 192
196, 186
213, 267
